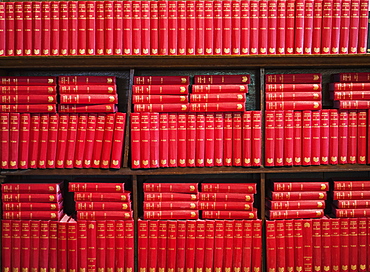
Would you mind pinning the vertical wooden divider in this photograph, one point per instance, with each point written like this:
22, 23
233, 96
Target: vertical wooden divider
126, 151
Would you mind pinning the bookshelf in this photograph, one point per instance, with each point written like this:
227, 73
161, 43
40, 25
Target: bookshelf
125, 67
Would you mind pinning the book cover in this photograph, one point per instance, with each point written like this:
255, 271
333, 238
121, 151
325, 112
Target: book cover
172, 140
52, 141
98, 140
247, 139
120, 245
118, 140
352, 137
135, 140
306, 137
107, 141
181, 139
271, 249
152, 244
72, 26
163, 32
191, 140
162, 245
127, 28
263, 28
14, 131
154, 139
71, 140
226, 27
90, 27
171, 244
163, 143
43, 140
315, 138
316, 245
228, 140
200, 140
62, 139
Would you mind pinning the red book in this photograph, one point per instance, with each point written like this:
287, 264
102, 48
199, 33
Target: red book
172, 28
280, 244
350, 95
159, 90
345, 26
295, 205
91, 245
363, 28
71, 140
110, 246
293, 105
3, 30
228, 244
351, 212
170, 197
172, 140
288, 138
216, 107
31, 108
62, 140
350, 195
181, 140
26, 99
179, 214
120, 245
152, 244
327, 15
80, 140
87, 89
273, 12
217, 27
352, 104
234, 197
351, 185
228, 132
208, 28
353, 244
306, 195
25, 188
306, 137
73, 17
335, 243
263, 27
212, 89
72, 246
257, 245
299, 28
256, 138
10, 29
161, 107
171, 187
308, 78
181, 27
52, 141
363, 77
163, 27
333, 132
27, 29
101, 243
226, 28
88, 99
190, 28
362, 246
102, 215
129, 245
289, 25
157, 99
107, 141
135, 140
153, 28
324, 137
200, 140
221, 79
300, 186
32, 206
336, 24
307, 245
292, 96
289, 244
162, 245
297, 136
34, 197
34, 140
14, 131
247, 139
35, 33
43, 140
298, 244
219, 244
55, 28
82, 244
44, 244
344, 249
354, 27
317, 26
100, 206
163, 143
270, 138
161, 80
292, 214
283, 88
227, 206
279, 138
315, 138
25, 245
99, 28
114, 197
90, 27
281, 26
64, 28
308, 26
4, 135
127, 28
191, 140
271, 246
34, 246
228, 187
171, 244
351, 204
222, 97
352, 137
98, 140
163, 206
87, 80
237, 139
254, 26
209, 244
154, 140
145, 28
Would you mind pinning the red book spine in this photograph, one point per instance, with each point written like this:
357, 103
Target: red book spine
288, 138
298, 245
14, 243
64, 28
120, 245
335, 244
25, 245
301, 186
163, 143
179, 214
315, 138
152, 244
228, 244
14, 125
99, 28
101, 243
163, 27
34, 140
263, 27
43, 140
181, 27
217, 27
281, 26
351, 204
279, 138
228, 143
46, 28
256, 138
127, 28
257, 245
3, 30
273, 13
52, 141
55, 28
227, 206
32, 206
34, 246
181, 140
306, 137
190, 245
229, 214
271, 246
209, 245
305, 195
222, 97
336, 21
316, 245
226, 28
353, 244
363, 27
154, 140
162, 245
297, 134
334, 133
208, 28
211, 90
4, 135
62, 140
345, 26
80, 140
98, 140
107, 141
247, 245
289, 244
171, 245
219, 245
345, 246
350, 195
247, 139
108, 27
73, 17
362, 137
161, 206
199, 30
172, 28
308, 26
293, 214
135, 140
282, 92
44, 245
229, 187
161, 107
354, 27
327, 15
279, 244
82, 28
235, 27
110, 246
36, 28
190, 28
170, 197
289, 24
82, 244
24, 135
153, 28
200, 140
18, 28
270, 138
317, 26
172, 140
352, 137
53, 245
71, 140
254, 26
145, 28
27, 27
307, 245
90, 27
293, 105
190, 140
343, 137
362, 233
237, 139
91, 245
324, 137
10, 29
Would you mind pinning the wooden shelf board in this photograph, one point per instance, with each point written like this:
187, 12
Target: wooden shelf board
184, 62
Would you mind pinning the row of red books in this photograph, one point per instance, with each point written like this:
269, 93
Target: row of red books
316, 137
61, 140
211, 245
183, 28
68, 245
189, 140
327, 244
